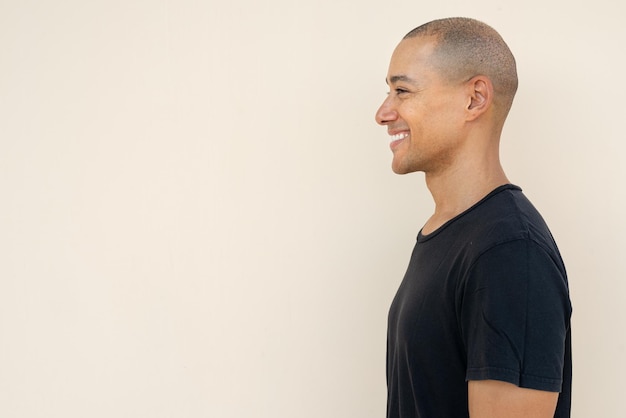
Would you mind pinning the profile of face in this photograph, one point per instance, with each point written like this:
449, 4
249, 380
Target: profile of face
423, 112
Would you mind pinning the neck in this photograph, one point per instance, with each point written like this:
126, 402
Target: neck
461, 185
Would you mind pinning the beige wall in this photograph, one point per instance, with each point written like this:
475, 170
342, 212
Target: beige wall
198, 218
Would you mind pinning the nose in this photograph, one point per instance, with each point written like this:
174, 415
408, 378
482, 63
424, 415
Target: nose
386, 113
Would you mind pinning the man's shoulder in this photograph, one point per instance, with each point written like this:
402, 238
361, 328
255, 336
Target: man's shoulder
505, 216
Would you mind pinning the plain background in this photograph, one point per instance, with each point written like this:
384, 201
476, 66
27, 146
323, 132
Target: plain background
198, 216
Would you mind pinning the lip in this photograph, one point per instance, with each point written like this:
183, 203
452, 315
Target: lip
397, 137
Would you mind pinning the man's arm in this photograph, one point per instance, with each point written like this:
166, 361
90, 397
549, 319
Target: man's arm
496, 399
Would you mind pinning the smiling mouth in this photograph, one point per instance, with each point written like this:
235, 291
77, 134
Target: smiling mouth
398, 137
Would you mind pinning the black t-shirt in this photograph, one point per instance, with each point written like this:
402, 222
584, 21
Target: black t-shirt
485, 296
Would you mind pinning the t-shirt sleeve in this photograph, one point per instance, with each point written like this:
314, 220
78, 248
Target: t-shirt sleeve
515, 314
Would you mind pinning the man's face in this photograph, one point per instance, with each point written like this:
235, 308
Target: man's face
423, 112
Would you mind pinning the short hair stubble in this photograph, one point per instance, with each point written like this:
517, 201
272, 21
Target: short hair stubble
465, 48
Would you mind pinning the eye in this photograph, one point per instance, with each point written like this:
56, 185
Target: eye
398, 91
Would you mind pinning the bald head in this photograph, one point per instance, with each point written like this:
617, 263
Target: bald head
465, 48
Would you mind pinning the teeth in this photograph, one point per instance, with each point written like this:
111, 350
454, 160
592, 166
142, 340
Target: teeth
399, 136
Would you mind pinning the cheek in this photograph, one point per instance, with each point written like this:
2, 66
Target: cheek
445, 120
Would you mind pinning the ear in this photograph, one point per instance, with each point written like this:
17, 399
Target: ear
480, 96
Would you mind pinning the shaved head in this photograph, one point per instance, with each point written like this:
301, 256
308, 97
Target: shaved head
465, 48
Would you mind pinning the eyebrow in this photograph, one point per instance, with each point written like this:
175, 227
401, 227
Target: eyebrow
403, 78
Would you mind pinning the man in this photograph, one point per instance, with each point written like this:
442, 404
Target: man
480, 325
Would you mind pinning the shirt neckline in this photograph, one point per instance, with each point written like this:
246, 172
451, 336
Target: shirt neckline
425, 237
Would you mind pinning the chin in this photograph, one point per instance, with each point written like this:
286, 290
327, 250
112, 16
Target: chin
399, 168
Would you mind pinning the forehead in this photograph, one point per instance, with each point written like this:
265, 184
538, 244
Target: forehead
412, 58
